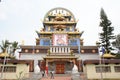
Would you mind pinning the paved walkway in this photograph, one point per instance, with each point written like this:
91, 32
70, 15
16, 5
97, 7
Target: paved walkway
58, 78
33, 76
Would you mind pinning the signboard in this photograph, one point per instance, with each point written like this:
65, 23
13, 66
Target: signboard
60, 40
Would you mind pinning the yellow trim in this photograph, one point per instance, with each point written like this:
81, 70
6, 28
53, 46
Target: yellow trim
4, 54
108, 55
59, 22
61, 57
59, 32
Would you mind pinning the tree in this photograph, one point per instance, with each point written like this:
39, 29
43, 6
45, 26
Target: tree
116, 43
10, 47
14, 47
106, 35
4, 46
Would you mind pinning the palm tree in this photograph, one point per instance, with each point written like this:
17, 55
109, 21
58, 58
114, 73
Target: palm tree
4, 46
14, 47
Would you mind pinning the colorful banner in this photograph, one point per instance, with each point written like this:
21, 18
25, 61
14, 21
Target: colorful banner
60, 40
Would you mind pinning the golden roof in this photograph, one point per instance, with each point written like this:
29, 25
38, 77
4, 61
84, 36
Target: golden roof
45, 32
60, 32
4, 54
59, 12
59, 22
108, 55
60, 57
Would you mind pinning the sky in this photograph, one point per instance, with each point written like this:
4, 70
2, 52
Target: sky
19, 19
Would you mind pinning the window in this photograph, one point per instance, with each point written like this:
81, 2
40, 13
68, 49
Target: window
67, 29
103, 69
46, 42
82, 51
117, 68
37, 51
93, 51
73, 42
26, 50
52, 29
8, 69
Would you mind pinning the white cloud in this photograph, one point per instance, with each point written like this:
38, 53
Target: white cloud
3, 15
23, 17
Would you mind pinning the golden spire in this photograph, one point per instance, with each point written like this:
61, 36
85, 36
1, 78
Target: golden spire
22, 42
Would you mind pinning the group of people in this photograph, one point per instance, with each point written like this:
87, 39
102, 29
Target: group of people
45, 74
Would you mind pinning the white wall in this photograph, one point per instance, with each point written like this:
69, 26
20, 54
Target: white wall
90, 71
35, 57
24, 68
88, 56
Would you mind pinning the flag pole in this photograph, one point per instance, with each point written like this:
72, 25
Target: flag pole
100, 60
101, 68
3, 67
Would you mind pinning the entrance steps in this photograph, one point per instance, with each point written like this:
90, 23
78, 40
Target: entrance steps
62, 75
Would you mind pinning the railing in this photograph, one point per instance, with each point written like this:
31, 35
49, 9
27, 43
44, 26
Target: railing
59, 49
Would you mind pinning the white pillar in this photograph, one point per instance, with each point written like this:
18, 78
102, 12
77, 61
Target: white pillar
59, 49
65, 49
68, 49
62, 49
53, 49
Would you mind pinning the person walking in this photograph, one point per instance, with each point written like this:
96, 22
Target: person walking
46, 75
43, 73
52, 75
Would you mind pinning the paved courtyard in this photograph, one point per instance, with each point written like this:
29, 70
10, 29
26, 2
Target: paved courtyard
33, 76
63, 77
58, 78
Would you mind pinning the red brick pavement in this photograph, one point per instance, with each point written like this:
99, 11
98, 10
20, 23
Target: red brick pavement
58, 78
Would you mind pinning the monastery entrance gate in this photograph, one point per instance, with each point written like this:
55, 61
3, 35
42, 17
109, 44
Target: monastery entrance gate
60, 68
60, 61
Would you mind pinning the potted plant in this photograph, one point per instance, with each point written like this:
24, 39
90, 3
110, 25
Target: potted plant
48, 52
71, 52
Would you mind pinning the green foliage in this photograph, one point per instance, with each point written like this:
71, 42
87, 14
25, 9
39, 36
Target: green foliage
5, 44
106, 35
10, 47
118, 56
49, 52
71, 52
116, 43
15, 46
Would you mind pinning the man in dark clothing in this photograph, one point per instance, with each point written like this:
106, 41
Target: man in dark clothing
52, 76
43, 72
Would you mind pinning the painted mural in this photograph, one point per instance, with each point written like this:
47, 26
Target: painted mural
60, 40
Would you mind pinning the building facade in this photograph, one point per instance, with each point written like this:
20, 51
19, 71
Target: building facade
58, 47
59, 44
59, 29
59, 33
109, 69
15, 69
